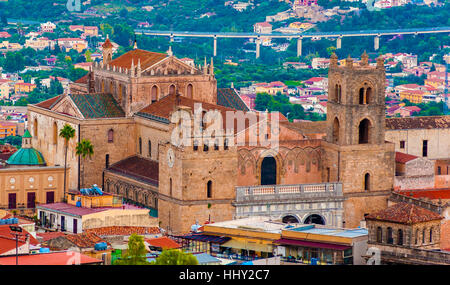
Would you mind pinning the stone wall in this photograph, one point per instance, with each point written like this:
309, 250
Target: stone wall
438, 146
119, 217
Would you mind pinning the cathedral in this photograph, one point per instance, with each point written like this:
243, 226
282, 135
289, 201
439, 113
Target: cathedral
332, 172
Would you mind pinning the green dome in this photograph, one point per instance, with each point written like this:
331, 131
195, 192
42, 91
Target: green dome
26, 156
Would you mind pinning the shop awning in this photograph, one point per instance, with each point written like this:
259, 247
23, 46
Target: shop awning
236, 244
312, 244
206, 238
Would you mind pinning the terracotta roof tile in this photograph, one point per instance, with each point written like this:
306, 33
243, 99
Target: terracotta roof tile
433, 194
147, 59
138, 167
43, 237
124, 230
85, 240
404, 157
47, 104
404, 213
163, 242
431, 122
228, 97
107, 44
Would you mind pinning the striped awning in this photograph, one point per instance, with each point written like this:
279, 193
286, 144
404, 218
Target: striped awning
311, 244
206, 238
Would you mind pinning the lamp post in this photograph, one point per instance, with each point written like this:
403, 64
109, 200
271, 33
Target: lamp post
17, 230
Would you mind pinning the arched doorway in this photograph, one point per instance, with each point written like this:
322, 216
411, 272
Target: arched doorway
314, 219
189, 91
290, 220
154, 93
269, 171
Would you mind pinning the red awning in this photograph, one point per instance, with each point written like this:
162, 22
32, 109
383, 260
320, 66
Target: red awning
305, 243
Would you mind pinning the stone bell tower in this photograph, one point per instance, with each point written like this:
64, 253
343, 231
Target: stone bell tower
356, 105
358, 155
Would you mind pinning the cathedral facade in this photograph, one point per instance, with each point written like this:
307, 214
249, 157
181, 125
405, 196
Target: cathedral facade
125, 106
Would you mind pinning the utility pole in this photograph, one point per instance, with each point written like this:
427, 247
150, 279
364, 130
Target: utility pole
17, 230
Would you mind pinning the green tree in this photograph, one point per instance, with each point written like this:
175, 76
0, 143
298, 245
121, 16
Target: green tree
136, 252
67, 133
175, 257
84, 149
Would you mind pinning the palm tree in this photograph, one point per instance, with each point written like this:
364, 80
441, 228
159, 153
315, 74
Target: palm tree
85, 148
67, 132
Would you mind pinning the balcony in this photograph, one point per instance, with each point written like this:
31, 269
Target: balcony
249, 194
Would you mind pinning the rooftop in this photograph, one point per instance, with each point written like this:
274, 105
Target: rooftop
97, 105
404, 157
138, 167
322, 230
255, 223
404, 213
431, 122
124, 231
146, 58
80, 211
51, 258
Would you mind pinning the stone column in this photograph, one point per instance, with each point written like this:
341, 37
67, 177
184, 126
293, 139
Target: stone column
215, 45
299, 46
258, 45
338, 43
377, 42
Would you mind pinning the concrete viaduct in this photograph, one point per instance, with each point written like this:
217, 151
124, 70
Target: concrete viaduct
300, 36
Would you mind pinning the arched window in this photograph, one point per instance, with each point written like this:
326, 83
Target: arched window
439, 170
55, 133
170, 187
336, 130
35, 127
400, 237
209, 189
195, 145
431, 234
206, 146
150, 148
367, 182
364, 134
154, 93
390, 239
336, 92
361, 95
339, 93
416, 239
225, 144
107, 160
189, 91
216, 145
140, 146
172, 90
379, 235
423, 236
110, 135
368, 96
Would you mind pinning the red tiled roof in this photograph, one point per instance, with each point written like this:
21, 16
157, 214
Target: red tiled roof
85, 240
404, 213
433, 194
138, 167
124, 231
431, 122
403, 157
8, 241
52, 258
107, 44
49, 235
47, 104
147, 59
163, 242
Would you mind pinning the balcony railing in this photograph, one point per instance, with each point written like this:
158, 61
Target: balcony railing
280, 192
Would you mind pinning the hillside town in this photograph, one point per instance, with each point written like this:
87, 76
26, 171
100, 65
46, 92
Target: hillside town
114, 154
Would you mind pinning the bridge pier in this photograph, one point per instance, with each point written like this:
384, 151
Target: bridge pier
171, 38
377, 42
215, 45
258, 46
339, 43
299, 47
